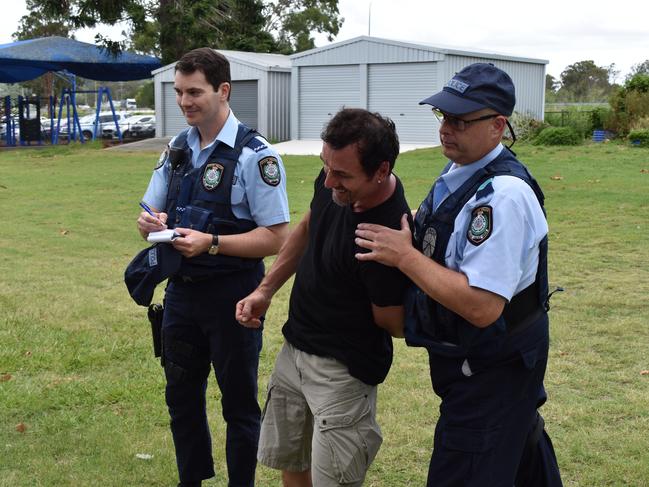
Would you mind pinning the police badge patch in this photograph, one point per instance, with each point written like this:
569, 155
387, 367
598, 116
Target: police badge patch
212, 176
269, 169
162, 159
481, 225
428, 244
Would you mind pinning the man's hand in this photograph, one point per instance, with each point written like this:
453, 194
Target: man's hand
147, 223
387, 246
251, 308
191, 242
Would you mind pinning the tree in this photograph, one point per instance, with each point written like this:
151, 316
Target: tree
293, 21
640, 68
551, 83
585, 81
169, 28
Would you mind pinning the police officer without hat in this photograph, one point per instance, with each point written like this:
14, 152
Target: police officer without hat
222, 187
479, 298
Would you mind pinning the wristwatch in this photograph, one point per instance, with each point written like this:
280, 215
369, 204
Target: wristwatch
214, 248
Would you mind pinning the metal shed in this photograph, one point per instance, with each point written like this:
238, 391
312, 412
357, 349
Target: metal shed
391, 77
260, 94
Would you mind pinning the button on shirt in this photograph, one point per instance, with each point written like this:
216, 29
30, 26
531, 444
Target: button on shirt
505, 263
251, 197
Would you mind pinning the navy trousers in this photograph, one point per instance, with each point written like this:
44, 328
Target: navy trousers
199, 330
489, 433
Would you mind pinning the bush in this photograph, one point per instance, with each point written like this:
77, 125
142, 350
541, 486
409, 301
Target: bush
639, 138
526, 126
558, 136
599, 118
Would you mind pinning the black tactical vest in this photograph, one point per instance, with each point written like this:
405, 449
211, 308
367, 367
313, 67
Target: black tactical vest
431, 325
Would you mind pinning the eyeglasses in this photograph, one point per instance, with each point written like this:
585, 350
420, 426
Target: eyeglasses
457, 123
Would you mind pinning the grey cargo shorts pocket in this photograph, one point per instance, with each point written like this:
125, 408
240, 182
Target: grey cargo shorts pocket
353, 437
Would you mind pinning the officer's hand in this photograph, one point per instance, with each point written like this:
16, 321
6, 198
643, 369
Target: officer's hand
251, 308
386, 245
192, 243
147, 223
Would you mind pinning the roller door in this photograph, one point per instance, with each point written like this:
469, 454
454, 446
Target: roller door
323, 90
395, 90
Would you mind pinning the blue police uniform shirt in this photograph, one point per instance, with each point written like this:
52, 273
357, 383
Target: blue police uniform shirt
251, 197
507, 261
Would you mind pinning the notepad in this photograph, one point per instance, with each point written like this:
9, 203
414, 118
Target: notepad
163, 236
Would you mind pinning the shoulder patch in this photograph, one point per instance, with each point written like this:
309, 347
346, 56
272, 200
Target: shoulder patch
481, 226
212, 176
269, 169
162, 159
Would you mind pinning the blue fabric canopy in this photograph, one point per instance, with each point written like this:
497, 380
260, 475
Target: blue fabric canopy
25, 60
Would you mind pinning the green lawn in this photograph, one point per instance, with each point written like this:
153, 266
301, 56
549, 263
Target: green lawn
81, 394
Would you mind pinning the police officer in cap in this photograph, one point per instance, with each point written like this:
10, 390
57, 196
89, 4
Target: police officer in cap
480, 295
222, 187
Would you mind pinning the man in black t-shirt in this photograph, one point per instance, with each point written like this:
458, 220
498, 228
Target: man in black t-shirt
319, 424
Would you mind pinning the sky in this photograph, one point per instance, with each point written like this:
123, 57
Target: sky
562, 32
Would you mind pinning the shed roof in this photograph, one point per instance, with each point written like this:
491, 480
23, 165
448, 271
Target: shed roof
432, 49
262, 61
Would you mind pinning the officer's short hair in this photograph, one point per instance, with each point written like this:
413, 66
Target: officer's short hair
214, 65
375, 135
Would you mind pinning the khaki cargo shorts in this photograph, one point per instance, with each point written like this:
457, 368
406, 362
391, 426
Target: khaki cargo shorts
317, 416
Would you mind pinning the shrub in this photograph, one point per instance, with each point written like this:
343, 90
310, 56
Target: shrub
599, 118
526, 126
558, 136
639, 138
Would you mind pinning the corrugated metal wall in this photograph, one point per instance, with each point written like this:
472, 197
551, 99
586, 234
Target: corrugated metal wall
243, 102
277, 105
272, 98
528, 78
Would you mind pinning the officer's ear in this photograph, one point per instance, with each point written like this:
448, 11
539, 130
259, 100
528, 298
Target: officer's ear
499, 124
224, 91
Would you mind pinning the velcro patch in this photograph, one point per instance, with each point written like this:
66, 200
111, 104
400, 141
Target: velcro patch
161, 159
212, 176
481, 226
269, 169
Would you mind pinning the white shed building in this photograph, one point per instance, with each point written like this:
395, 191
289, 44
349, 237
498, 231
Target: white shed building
392, 77
260, 94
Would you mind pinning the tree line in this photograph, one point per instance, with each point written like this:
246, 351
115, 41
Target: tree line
584, 81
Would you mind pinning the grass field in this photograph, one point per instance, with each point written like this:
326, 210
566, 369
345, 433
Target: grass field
81, 395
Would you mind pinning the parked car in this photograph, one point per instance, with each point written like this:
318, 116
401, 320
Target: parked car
135, 126
106, 122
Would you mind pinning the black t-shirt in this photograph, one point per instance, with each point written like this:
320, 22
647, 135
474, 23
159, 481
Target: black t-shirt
330, 312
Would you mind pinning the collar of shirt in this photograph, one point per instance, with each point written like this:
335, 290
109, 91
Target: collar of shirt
457, 174
227, 135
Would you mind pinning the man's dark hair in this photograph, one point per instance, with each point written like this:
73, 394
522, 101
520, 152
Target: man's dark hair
214, 65
375, 136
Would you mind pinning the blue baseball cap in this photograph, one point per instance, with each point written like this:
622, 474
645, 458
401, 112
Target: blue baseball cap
476, 87
149, 268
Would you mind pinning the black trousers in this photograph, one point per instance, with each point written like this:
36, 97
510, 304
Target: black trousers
489, 432
199, 331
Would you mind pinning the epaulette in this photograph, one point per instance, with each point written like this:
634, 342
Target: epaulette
256, 144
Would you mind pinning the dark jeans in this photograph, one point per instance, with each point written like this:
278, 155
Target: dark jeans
489, 433
199, 329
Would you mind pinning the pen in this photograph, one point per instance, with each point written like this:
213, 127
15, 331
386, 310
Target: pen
149, 211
